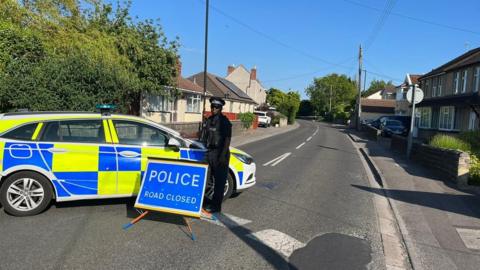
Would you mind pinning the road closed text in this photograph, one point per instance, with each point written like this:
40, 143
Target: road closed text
169, 197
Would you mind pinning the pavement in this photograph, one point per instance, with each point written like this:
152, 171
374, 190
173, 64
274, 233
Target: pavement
439, 221
260, 133
310, 209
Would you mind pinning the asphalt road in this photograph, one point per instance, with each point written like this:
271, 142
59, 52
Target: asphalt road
303, 213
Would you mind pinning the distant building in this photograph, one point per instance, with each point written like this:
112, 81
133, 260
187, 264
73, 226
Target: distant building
248, 82
386, 93
402, 106
374, 108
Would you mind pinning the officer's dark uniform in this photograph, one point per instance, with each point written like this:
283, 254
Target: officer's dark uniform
217, 133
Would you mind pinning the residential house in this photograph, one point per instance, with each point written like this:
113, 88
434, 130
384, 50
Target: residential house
186, 107
374, 108
452, 101
236, 101
387, 93
248, 82
402, 106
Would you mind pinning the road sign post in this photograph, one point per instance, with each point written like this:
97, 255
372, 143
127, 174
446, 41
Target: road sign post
414, 96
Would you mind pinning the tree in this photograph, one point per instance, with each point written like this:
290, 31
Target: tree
337, 90
285, 103
72, 55
376, 85
306, 108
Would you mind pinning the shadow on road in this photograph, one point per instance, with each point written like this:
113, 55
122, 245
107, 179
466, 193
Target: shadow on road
460, 204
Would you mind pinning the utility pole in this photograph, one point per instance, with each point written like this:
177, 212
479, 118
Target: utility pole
359, 97
364, 79
205, 67
412, 125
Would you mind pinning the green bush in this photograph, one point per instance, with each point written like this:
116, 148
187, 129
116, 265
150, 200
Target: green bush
247, 119
472, 138
276, 119
449, 142
474, 178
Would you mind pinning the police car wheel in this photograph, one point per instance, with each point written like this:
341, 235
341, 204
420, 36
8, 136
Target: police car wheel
227, 192
25, 194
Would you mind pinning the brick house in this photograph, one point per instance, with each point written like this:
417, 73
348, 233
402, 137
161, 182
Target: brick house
452, 101
248, 82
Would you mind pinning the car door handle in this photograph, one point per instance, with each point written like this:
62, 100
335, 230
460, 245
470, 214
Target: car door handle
129, 154
56, 150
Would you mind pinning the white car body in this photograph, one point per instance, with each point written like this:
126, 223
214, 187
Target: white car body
263, 118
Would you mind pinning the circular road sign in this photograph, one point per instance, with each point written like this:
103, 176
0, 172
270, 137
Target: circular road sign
418, 95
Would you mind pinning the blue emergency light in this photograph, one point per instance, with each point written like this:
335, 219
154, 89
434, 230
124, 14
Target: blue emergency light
106, 109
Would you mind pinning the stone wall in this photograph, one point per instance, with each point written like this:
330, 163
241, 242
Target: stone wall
454, 164
371, 132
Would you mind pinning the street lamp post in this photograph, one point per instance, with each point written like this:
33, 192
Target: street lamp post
205, 62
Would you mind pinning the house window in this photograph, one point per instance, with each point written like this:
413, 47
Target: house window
434, 86
476, 79
193, 103
439, 86
425, 117
427, 86
447, 116
231, 106
472, 120
156, 103
456, 79
464, 81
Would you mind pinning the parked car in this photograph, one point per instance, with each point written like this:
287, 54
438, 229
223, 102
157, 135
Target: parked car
381, 120
390, 127
63, 156
263, 119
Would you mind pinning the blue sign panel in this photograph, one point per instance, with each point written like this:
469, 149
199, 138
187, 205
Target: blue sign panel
174, 187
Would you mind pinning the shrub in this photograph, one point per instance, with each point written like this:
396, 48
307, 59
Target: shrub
449, 142
247, 119
472, 138
474, 178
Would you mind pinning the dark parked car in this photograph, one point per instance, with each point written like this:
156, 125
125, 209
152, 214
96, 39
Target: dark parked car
389, 127
381, 120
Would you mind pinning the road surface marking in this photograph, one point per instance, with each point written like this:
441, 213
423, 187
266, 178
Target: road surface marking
309, 138
281, 159
278, 241
275, 159
298, 147
470, 237
227, 220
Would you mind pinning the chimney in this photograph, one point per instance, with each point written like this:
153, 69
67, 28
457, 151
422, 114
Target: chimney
253, 73
179, 68
230, 69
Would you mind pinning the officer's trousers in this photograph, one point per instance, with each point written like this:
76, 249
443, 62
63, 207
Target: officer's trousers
219, 171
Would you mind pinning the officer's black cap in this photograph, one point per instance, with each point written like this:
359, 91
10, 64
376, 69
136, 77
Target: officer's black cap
217, 101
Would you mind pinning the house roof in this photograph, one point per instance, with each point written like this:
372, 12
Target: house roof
468, 58
222, 88
184, 84
389, 89
378, 105
247, 71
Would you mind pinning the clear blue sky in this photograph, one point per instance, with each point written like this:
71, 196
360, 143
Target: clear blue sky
308, 36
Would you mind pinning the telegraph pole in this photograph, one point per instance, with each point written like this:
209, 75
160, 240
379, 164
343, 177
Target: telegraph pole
205, 63
359, 97
330, 107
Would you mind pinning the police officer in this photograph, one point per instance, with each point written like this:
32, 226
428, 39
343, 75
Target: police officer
216, 135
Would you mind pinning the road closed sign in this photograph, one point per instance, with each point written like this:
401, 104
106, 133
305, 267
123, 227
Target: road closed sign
174, 187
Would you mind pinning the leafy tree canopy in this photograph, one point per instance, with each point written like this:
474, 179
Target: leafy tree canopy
72, 55
285, 103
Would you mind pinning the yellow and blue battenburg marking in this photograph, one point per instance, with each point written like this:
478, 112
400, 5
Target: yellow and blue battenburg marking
81, 170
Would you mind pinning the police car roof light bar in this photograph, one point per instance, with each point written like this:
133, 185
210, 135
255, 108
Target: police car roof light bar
106, 109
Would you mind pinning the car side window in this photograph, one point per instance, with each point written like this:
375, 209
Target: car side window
134, 133
80, 131
23, 133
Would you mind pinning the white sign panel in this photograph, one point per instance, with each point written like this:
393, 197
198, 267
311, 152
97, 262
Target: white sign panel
418, 95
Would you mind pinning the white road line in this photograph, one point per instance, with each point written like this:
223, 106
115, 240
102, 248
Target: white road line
281, 159
227, 220
278, 241
309, 138
273, 160
302, 144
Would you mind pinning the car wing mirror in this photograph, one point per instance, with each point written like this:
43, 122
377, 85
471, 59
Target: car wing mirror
174, 143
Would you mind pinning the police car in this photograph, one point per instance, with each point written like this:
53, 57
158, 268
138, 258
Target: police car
66, 156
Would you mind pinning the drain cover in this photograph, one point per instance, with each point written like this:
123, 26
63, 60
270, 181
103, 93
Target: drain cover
268, 185
332, 251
